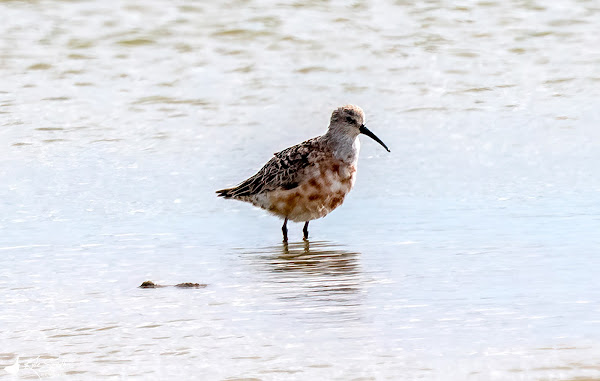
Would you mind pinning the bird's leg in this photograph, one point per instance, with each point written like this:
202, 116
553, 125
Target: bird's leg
284, 230
305, 230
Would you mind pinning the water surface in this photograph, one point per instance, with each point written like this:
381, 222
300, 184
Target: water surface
468, 252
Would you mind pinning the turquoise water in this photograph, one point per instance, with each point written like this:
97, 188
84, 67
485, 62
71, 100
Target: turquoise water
468, 252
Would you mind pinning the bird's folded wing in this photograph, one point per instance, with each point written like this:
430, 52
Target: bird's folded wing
283, 171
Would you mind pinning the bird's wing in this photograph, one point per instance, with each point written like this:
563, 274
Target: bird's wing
283, 171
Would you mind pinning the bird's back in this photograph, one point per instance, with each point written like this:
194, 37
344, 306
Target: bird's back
284, 171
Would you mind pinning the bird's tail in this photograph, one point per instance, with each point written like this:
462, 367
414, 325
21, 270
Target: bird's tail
225, 192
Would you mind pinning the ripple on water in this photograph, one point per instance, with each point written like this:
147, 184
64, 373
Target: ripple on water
78, 43
159, 99
40, 66
311, 278
134, 42
316, 69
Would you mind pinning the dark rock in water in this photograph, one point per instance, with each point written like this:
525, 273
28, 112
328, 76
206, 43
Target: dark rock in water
150, 284
190, 285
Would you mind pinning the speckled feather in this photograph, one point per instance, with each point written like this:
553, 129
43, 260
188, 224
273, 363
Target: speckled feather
284, 171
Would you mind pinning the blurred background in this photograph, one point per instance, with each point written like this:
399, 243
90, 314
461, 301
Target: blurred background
468, 252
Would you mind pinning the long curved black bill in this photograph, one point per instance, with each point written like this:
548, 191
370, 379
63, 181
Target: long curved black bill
366, 131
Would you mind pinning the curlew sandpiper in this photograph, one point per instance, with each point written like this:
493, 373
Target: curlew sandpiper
309, 180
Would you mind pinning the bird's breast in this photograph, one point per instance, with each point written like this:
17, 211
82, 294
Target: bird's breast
321, 191
337, 176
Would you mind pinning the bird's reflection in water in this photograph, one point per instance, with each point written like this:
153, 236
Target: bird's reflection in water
319, 279
318, 257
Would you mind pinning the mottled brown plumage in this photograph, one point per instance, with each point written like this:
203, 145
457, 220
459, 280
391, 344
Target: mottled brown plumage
309, 180
283, 171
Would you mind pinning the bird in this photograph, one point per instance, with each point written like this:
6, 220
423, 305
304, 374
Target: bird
309, 180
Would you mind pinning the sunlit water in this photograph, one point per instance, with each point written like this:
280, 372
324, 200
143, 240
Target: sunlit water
471, 251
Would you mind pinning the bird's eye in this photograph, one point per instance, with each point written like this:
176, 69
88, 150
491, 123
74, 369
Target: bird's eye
350, 120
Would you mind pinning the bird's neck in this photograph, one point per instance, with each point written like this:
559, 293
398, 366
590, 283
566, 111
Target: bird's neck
344, 147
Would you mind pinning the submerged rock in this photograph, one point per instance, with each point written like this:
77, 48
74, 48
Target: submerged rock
190, 285
150, 284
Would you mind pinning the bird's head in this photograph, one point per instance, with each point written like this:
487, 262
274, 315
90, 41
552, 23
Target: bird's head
349, 120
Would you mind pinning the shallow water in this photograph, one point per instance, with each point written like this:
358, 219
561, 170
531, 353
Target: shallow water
468, 252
